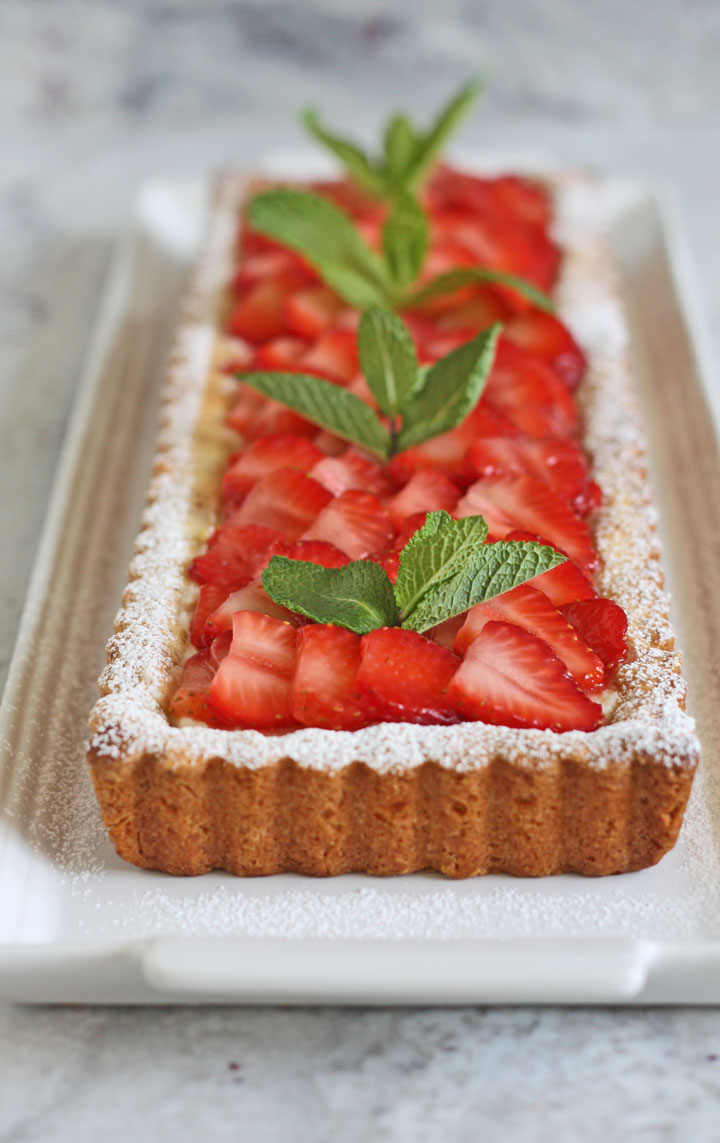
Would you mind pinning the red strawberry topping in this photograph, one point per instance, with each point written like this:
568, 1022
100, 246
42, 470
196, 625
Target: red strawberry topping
324, 692
355, 522
263, 456
404, 677
512, 678
191, 698
426, 491
286, 500
253, 685
603, 626
236, 554
533, 611
351, 470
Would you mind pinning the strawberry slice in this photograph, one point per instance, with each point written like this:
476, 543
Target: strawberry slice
285, 500
426, 491
253, 415
260, 313
601, 624
313, 552
265, 455
563, 584
252, 597
529, 393
355, 522
404, 677
527, 201
309, 312
448, 452
324, 691
485, 307
253, 685
334, 356
281, 354
351, 470
279, 265
236, 554
191, 698
533, 611
546, 336
512, 678
556, 460
523, 502
210, 596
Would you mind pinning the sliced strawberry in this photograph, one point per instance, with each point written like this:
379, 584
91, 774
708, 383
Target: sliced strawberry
508, 503
236, 554
313, 552
191, 698
282, 266
563, 584
602, 624
334, 356
259, 313
448, 452
253, 685
526, 200
511, 678
558, 461
409, 527
403, 677
280, 354
210, 596
308, 313
546, 336
355, 522
252, 597
446, 632
265, 455
426, 491
324, 692
533, 611
285, 500
529, 393
351, 470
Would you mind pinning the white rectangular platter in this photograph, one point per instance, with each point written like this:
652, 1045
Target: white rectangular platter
78, 925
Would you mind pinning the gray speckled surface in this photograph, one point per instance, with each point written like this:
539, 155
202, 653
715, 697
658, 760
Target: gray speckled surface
97, 96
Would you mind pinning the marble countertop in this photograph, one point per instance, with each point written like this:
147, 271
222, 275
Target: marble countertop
97, 96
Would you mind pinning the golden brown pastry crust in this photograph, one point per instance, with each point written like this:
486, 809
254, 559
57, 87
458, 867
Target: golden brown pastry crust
463, 800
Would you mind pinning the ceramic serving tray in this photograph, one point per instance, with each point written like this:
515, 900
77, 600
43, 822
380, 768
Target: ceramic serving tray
78, 925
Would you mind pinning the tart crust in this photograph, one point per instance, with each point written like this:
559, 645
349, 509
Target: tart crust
393, 798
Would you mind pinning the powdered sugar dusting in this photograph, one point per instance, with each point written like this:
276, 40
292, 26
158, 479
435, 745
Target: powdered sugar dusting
149, 643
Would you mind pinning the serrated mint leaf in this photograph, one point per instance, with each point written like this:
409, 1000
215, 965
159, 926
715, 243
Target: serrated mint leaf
353, 158
326, 237
496, 568
405, 241
438, 551
388, 359
399, 143
327, 405
358, 596
469, 275
431, 142
451, 390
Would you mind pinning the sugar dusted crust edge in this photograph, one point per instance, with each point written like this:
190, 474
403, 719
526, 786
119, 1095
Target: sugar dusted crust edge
465, 800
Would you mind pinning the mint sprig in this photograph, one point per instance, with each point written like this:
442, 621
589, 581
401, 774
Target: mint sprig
408, 152
358, 596
326, 237
445, 569
420, 402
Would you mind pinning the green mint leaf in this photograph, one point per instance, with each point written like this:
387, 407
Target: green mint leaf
439, 551
400, 143
388, 359
358, 596
495, 569
326, 237
405, 239
350, 155
451, 390
431, 142
469, 275
328, 405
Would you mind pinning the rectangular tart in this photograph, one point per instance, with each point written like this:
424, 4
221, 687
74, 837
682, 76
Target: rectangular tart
465, 799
